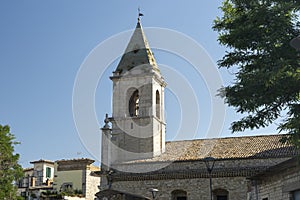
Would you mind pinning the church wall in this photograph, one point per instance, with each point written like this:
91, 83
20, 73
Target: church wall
280, 185
197, 189
191, 176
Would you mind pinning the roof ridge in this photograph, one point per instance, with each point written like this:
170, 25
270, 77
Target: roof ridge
223, 138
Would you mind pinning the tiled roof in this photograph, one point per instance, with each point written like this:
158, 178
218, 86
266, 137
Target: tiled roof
77, 160
28, 169
264, 146
186, 174
74, 164
42, 161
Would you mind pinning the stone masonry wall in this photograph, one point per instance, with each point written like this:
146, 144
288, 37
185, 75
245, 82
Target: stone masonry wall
191, 176
197, 189
92, 183
280, 185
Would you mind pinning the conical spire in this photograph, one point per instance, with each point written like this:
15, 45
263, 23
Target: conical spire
137, 53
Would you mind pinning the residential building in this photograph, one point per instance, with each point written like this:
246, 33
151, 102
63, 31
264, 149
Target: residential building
75, 175
37, 179
67, 179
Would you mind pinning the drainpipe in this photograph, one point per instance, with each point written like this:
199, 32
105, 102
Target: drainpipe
256, 189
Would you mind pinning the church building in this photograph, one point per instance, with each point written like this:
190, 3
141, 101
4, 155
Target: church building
137, 162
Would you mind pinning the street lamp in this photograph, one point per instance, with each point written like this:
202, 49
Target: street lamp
295, 43
210, 162
153, 192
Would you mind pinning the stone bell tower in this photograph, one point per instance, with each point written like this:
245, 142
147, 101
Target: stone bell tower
138, 124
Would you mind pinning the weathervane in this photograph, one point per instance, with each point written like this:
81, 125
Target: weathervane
139, 13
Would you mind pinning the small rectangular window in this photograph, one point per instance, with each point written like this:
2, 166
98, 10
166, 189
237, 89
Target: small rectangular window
48, 172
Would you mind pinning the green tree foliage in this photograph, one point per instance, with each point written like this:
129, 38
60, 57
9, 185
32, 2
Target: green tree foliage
267, 79
10, 170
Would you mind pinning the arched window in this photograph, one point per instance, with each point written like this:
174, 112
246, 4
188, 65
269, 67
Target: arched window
220, 194
157, 101
179, 195
134, 104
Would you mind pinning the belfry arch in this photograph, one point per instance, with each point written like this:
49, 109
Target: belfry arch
133, 104
157, 102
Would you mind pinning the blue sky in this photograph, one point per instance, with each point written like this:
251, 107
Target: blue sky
44, 43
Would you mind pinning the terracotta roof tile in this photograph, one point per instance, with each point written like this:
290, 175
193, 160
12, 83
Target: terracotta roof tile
42, 161
264, 146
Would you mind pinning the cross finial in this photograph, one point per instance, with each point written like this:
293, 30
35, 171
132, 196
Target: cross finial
106, 121
139, 14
